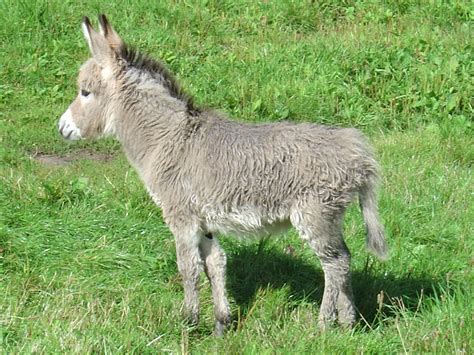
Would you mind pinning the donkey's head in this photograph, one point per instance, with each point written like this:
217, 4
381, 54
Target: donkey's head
92, 113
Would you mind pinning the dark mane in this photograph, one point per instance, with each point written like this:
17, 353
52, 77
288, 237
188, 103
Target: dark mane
159, 71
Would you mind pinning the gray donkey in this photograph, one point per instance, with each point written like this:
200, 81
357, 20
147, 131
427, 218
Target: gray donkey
211, 175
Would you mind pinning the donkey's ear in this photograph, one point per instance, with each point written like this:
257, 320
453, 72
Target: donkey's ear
98, 46
113, 39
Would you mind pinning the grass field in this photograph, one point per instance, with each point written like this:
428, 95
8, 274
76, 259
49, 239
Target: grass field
86, 262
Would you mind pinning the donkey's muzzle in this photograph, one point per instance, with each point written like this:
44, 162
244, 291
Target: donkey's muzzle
67, 128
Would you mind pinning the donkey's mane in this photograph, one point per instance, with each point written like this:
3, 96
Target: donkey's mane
159, 71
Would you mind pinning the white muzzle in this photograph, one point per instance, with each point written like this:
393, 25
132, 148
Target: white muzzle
68, 128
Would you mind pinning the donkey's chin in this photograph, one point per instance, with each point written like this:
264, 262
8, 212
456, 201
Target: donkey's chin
72, 136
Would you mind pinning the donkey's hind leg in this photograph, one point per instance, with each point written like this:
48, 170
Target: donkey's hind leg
214, 265
323, 232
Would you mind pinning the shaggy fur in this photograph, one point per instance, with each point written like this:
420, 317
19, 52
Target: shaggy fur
212, 175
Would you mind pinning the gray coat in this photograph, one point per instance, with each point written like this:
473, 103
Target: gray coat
212, 175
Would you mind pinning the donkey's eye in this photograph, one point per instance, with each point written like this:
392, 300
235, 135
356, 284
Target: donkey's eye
85, 93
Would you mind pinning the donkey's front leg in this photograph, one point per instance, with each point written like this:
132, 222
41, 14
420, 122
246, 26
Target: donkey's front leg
189, 260
214, 265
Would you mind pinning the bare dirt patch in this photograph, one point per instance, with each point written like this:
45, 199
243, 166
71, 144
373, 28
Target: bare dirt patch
68, 158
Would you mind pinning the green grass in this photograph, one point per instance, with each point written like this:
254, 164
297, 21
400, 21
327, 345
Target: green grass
86, 262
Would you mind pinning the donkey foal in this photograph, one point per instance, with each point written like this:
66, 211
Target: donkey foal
212, 175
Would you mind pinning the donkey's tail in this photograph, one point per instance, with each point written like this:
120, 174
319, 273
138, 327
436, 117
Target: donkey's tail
375, 239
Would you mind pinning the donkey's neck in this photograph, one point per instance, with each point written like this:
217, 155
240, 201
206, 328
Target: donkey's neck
153, 129
144, 132
155, 122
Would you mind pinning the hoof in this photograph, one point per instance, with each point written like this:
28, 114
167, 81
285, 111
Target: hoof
221, 328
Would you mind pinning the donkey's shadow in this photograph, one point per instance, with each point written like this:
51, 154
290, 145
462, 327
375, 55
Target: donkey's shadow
254, 267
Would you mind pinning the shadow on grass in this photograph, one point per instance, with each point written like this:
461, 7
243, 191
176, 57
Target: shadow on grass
377, 296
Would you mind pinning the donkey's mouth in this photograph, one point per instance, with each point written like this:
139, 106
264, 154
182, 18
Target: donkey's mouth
67, 127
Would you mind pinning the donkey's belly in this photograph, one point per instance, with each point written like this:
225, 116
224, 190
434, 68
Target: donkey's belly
246, 222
